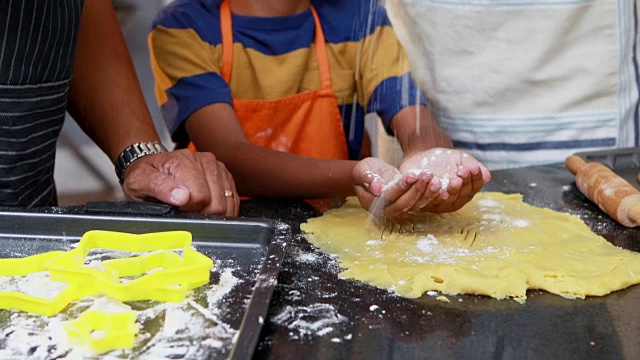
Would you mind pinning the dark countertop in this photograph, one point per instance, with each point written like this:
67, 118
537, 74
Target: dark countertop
315, 315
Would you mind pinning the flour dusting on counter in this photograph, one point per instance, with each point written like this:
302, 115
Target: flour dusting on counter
306, 257
191, 329
309, 321
36, 284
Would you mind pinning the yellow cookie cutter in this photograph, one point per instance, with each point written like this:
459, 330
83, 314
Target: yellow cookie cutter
184, 273
33, 304
102, 331
171, 283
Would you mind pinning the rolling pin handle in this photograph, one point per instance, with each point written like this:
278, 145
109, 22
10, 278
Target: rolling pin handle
633, 213
574, 164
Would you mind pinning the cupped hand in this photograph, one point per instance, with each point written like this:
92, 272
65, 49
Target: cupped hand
457, 177
384, 191
191, 181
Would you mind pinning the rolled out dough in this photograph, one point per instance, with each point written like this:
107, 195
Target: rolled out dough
496, 245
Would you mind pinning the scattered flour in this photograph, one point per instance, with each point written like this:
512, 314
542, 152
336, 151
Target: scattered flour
191, 329
309, 321
520, 223
36, 284
488, 203
427, 243
445, 182
226, 283
107, 304
306, 257
495, 217
506, 220
432, 251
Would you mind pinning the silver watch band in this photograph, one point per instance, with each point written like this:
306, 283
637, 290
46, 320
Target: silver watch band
134, 152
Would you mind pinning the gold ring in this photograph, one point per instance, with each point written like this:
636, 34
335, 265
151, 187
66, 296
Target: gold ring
228, 193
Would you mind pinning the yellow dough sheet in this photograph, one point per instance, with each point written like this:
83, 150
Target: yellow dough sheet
496, 245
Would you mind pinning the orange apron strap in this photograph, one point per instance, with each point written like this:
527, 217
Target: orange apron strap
227, 41
227, 47
321, 55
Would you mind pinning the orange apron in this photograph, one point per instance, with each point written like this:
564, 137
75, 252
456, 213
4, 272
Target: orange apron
307, 124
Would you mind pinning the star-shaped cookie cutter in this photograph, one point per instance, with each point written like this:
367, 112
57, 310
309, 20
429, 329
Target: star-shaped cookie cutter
103, 331
34, 304
163, 275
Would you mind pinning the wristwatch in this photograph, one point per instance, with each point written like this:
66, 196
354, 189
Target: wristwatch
134, 152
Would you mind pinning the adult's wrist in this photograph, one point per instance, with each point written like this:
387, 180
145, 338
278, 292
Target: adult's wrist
135, 152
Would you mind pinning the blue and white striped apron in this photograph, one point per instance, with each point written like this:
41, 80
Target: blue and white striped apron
526, 82
37, 48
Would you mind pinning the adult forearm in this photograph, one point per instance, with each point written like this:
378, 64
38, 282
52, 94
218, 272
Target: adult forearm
105, 97
416, 130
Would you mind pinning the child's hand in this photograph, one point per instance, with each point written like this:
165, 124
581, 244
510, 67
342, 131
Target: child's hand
457, 177
394, 194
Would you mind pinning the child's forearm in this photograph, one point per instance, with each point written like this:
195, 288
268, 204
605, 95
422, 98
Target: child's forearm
259, 171
263, 172
416, 130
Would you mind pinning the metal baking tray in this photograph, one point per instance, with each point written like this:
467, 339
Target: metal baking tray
624, 162
253, 248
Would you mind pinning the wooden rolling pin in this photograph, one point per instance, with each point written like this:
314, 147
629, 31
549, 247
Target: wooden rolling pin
614, 195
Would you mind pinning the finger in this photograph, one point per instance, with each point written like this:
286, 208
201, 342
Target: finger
370, 182
394, 189
455, 201
236, 197
414, 194
401, 196
231, 196
472, 182
367, 186
461, 183
191, 171
365, 197
440, 194
214, 201
143, 182
486, 174
431, 192
477, 180
457, 195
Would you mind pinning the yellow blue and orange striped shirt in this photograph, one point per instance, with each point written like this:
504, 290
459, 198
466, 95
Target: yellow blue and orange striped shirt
273, 59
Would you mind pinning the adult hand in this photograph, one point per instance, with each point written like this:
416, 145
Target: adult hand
457, 177
384, 191
191, 181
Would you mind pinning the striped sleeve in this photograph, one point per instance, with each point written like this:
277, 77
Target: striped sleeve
386, 83
186, 70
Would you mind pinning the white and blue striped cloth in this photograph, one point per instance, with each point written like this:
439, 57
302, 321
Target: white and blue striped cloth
519, 82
